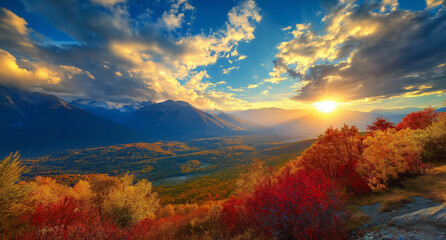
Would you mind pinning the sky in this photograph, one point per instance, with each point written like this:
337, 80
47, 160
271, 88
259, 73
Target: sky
229, 54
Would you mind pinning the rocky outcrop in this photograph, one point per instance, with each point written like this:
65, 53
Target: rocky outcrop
428, 219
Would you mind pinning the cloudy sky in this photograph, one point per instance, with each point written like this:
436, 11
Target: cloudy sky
228, 54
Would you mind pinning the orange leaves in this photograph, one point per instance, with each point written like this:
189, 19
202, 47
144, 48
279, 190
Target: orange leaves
389, 155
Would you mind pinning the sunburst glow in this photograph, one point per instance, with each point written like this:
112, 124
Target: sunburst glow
326, 106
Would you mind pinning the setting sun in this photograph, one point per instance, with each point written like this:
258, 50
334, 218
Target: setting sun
326, 106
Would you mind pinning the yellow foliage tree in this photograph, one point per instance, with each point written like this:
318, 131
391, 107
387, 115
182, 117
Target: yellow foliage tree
390, 154
130, 203
46, 190
11, 192
434, 140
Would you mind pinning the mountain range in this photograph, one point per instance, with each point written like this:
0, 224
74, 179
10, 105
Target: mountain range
38, 122
34, 122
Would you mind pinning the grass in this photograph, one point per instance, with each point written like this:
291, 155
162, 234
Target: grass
432, 185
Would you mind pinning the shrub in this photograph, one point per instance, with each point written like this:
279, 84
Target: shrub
434, 140
11, 192
301, 205
418, 120
389, 155
129, 203
336, 154
67, 218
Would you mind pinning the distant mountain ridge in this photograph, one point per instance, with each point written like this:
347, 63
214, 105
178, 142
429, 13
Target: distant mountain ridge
179, 118
33, 121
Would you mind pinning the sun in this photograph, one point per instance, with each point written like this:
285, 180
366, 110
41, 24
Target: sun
326, 106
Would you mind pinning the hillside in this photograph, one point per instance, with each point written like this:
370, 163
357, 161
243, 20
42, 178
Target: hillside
38, 122
174, 166
179, 119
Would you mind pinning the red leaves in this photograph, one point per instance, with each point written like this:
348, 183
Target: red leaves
336, 154
418, 120
68, 219
381, 124
302, 205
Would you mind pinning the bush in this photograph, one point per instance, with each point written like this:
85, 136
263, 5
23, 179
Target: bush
389, 155
418, 120
301, 205
67, 218
11, 192
336, 154
434, 140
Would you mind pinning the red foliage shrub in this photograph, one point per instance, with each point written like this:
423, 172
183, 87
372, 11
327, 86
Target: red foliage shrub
301, 205
336, 154
380, 124
418, 120
66, 219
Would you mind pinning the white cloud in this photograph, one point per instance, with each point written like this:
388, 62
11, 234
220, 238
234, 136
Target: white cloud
108, 2
228, 70
155, 63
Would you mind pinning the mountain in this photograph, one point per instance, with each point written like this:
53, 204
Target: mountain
314, 123
177, 118
235, 120
269, 117
34, 121
108, 110
304, 123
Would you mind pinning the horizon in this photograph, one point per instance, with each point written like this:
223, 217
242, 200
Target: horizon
230, 55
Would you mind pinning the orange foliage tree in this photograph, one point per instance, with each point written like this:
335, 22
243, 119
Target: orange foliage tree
389, 155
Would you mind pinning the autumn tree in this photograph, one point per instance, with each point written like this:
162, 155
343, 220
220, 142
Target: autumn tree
336, 154
301, 205
380, 124
246, 181
418, 120
130, 203
389, 155
11, 192
434, 140
101, 185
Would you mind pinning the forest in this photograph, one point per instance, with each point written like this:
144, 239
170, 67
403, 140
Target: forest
289, 191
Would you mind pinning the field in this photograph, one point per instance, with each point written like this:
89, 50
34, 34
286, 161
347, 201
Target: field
192, 171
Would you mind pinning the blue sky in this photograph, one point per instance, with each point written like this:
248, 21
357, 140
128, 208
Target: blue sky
229, 54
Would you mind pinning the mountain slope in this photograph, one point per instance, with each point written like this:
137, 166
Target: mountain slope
33, 121
177, 118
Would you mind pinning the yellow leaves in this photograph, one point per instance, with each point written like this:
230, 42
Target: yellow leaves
389, 154
129, 203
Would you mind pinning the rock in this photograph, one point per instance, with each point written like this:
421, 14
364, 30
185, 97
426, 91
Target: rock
428, 219
400, 237
387, 237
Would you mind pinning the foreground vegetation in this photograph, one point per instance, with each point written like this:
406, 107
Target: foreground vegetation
310, 197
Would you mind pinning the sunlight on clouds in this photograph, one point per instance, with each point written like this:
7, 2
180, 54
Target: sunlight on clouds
357, 56
108, 2
433, 3
154, 65
35, 73
13, 22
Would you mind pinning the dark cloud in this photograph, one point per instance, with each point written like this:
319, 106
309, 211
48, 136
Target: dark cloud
114, 56
385, 53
